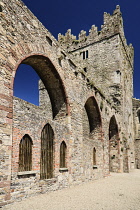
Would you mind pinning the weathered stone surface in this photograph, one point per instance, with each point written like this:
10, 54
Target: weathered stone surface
84, 84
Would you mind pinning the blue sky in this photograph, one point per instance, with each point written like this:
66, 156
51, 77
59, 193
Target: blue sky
59, 15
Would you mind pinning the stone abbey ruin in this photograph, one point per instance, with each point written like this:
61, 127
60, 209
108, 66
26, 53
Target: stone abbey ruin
87, 124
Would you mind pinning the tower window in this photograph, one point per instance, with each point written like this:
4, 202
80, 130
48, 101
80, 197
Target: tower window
84, 55
87, 54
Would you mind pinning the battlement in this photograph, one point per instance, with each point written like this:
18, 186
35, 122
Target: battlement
113, 24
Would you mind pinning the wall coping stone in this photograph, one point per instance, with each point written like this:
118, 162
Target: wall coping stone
63, 169
26, 172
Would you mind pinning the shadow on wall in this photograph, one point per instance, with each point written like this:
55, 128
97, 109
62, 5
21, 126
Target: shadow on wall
48, 74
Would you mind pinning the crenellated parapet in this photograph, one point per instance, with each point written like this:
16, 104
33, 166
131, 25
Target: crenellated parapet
113, 24
68, 39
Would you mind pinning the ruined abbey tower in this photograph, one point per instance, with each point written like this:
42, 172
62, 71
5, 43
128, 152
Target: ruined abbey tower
85, 126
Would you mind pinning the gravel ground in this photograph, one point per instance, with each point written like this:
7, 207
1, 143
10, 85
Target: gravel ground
116, 192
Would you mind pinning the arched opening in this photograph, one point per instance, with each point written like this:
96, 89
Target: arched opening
92, 137
28, 118
51, 81
93, 114
25, 153
113, 145
63, 149
47, 152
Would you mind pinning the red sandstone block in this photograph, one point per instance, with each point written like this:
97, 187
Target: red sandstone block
2, 107
8, 85
4, 184
21, 48
9, 147
7, 197
14, 54
10, 115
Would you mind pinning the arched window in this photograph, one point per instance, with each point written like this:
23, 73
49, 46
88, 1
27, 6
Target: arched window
47, 139
63, 149
25, 153
94, 156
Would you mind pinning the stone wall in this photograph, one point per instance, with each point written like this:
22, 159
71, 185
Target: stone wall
78, 99
30, 119
23, 36
109, 68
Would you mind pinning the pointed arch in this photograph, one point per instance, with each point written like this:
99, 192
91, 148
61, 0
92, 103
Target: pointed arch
93, 113
47, 152
63, 150
113, 145
92, 135
52, 82
113, 127
25, 153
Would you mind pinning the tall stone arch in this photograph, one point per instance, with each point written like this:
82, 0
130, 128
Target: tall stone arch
30, 54
114, 161
93, 113
51, 80
56, 92
92, 138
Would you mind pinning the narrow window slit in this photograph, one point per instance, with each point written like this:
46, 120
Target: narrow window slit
63, 149
49, 40
86, 53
